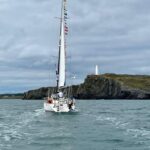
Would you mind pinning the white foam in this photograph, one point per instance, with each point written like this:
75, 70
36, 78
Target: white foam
139, 133
126, 127
39, 112
7, 138
104, 118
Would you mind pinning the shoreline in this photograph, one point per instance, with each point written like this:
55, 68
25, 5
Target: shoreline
98, 87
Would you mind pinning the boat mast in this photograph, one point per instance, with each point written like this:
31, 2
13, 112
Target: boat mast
61, 68
57, 71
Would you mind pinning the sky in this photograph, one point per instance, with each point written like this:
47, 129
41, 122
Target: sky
112, 34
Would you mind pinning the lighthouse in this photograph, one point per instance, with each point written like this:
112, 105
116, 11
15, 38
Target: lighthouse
96, 70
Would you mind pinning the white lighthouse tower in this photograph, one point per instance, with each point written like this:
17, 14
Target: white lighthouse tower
96, 70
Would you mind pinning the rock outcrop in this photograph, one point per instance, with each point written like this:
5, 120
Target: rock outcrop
99, 88
107, 86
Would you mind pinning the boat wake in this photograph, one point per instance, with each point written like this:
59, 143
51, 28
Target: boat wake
39, 112
127, 127
19, 128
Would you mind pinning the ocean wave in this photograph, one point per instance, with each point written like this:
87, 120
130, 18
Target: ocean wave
134, 109
139, 133
104, 118
10, 134
127, 128
5, 147
27, 118
39, 112
113, 121
2, 118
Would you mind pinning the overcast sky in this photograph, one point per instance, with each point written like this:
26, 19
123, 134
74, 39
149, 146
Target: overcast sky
115, 34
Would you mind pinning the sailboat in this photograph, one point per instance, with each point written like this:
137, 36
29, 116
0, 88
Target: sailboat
58, 101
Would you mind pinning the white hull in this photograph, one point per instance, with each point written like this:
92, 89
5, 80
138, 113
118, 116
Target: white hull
57, 107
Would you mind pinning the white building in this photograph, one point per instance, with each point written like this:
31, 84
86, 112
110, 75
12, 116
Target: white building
96, 70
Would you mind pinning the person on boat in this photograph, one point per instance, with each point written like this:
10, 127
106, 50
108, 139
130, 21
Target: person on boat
70, 104
60, 94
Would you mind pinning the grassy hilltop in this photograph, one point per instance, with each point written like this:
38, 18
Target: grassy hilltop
140, 82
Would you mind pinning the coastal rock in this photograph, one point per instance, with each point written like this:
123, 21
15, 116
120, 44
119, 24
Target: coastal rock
96, 87
36, 94
107, 86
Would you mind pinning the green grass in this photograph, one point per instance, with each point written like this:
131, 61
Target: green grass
141, 82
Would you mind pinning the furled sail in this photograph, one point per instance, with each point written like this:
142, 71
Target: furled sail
62, 47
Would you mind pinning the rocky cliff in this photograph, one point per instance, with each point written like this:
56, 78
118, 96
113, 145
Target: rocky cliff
107, 86
112, 86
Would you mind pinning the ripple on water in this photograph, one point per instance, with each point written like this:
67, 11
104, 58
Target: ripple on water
10, 134
141, 136
2, 118
106, 118
98, 127
139, 133
14, 130
39, 112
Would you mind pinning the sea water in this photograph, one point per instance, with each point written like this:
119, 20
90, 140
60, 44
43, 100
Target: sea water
99, 125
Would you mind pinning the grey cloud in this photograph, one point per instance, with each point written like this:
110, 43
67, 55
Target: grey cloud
113, 34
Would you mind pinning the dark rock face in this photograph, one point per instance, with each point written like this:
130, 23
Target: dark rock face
36, 94
95, 87
134, 94
100, 87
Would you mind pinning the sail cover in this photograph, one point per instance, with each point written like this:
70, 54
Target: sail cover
62, 49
